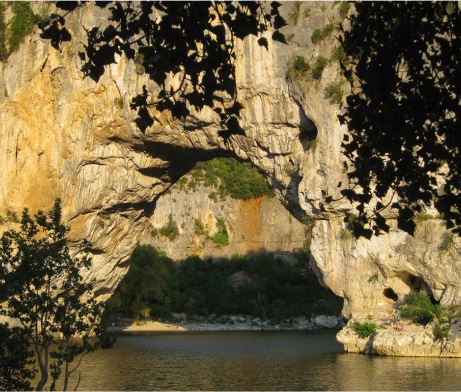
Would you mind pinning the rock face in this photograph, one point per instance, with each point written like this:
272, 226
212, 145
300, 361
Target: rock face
253, 226
62, 135
414, 341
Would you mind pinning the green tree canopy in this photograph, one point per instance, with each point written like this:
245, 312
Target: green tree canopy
16, 359
43, 289
404, 67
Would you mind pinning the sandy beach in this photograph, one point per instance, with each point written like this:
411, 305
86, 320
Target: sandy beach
148, 326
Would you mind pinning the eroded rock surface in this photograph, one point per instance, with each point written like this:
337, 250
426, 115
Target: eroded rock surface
63, 135
413, 341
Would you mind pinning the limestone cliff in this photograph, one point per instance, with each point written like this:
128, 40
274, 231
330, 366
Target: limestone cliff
63, 135
253, 226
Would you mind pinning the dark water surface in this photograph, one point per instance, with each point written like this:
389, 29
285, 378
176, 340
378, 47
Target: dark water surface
213, 361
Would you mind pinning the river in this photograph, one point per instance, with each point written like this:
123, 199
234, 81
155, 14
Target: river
213, 361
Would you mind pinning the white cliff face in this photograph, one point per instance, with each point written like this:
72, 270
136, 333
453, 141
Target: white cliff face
253, 226
374, 275
63, 135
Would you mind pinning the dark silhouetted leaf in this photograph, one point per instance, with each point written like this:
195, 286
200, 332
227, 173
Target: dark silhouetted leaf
278, 36
67, 5
263, 42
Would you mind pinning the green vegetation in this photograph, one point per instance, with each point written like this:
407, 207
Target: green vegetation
3, 45
222, 236
294, 15
118, 102
344, 8
379, 124
344, 234
447, 241
11, 217
262, 286
21, 24
365, 329
309, 221
170, 230
230, 177
335, 92
373, 278
320, 34
16, 359
419, 307
422, 216
199, 227
138, 61
298, 68
319, 66
45, 293
338, 54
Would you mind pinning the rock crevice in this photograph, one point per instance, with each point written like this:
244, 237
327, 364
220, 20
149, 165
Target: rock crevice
64, 135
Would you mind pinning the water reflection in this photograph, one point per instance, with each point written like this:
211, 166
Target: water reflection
398, 373
256, 361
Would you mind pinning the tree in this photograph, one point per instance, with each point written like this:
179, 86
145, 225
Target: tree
417, 305
403, 114
44, 291
186, 48
15, 359
147, 277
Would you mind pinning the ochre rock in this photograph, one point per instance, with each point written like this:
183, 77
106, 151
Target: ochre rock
63, 135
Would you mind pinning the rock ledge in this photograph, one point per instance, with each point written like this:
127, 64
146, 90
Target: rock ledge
414, 341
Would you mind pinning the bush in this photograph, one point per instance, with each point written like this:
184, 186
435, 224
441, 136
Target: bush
160, 311
447, 241
170, 230
140, 310
320, 34
338, 54
422, 216
344, 234
419, 307
298, 68
335, 92
222, 236
440, 332
344, 9
365, 329
199, 227
319, 66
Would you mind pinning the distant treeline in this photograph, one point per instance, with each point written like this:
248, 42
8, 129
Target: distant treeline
263, 285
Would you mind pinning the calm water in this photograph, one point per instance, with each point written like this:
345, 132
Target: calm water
310, 360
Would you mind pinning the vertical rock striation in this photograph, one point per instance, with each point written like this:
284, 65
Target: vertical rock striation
63, 135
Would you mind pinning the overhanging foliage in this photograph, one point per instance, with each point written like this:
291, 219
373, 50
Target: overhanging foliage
403, 115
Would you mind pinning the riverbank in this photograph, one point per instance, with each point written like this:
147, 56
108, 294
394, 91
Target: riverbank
414, 340
230, 323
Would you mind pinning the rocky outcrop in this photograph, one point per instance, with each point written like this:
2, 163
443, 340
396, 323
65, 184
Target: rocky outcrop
413, 341
63, 135
374, 275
